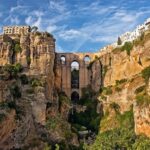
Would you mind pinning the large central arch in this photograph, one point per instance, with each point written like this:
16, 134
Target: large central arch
75, 75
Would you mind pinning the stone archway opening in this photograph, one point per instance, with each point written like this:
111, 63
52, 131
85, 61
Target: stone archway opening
63, 60
87, 59
75, 75
74, 97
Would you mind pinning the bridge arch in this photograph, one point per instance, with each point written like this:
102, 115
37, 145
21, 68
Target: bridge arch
75, 68
79, 63
63, 59
87, 59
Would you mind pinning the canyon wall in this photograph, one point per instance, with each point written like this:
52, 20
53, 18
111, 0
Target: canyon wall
122, 79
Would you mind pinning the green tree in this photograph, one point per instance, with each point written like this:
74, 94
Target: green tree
119, 41
34, 28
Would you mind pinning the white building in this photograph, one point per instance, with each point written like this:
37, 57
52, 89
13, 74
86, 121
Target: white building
16, 29
130, 36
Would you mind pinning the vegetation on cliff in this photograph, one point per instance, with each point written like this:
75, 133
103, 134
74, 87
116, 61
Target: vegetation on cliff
88, 118
119, 135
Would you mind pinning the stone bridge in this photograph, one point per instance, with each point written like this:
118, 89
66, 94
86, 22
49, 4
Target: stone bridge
74, 65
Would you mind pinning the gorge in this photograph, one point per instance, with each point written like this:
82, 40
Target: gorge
51, 100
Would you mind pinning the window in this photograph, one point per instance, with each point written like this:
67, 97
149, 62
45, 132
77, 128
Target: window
87, 59
63, 60
75, 75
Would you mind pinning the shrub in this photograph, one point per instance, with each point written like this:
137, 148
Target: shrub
13, 70
51, 123
24, 79
63, 98
18, 67
38, 33
142, 143
89, 118
103, 97
143, 99
118, 89
87, 94
49, 35
104, 70
12, 105
146, 74
2, 117
107, 90
140, 89
17, 48
35, 82
118, 82
15, 91
115, 106
28, 60
122, 137
127, 47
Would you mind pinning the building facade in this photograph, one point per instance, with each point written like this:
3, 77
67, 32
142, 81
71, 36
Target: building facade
16, 29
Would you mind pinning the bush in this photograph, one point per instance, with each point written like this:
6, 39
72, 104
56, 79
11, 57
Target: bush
49, 35
12, 105
118, 89
35, 82
142, 143
118, 82
13, 70
146, 74
120, 138
15, 91
28, 60
24, 79
127, 47
104, 70
87, 94
63, 98
38, 33
143, 99
89, 118
17, 48
107, 90
2, 117
51, 123
140, 89
115, 106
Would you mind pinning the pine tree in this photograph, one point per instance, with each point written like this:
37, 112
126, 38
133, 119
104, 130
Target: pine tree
119, 41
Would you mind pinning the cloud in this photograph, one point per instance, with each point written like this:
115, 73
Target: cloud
70, 34
14, 20
51, 28
35, 19
57, 6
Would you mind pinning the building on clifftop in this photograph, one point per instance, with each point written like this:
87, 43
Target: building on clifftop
16, 29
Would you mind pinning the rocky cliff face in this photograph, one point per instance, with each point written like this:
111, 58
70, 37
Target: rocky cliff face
32, 114
123, 80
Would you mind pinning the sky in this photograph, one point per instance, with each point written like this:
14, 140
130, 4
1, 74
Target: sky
77, 25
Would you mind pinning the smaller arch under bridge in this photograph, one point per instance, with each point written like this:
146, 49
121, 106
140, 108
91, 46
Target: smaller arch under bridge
73, 72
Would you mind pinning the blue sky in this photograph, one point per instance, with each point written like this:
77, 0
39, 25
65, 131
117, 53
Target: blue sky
77, 25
